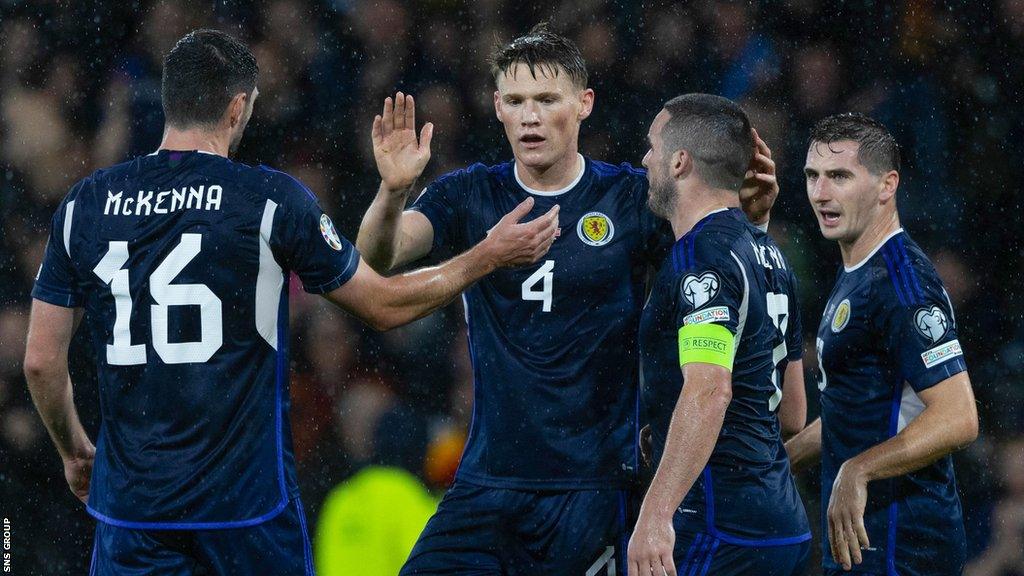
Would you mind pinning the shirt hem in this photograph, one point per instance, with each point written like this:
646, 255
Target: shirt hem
211, 525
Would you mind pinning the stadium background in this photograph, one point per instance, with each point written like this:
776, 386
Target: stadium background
79, 89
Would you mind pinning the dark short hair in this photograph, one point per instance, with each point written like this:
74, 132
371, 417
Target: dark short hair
202, 73
716, 132
540, 48
878, 150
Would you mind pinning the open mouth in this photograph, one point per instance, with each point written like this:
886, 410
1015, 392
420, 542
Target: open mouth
829, 217
531, 140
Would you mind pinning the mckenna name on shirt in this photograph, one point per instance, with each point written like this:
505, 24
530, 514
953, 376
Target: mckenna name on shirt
145, 203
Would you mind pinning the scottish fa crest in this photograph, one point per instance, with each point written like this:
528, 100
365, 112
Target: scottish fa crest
931, 323
595, 229
842, 317
699, 290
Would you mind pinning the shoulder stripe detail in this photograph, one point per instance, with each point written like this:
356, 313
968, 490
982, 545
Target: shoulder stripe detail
902, 265
677, 264
910, 269
688, 246
894, 275
693, 240
69, 214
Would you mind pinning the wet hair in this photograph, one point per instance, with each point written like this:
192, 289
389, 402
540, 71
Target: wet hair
540, 48
716, 132
202, 73
878, 151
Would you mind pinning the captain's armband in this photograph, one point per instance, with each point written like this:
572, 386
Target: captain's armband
707, 343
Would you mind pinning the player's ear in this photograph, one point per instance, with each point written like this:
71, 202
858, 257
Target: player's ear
236, 109
680, 164
497, 104
890, 181
586, 104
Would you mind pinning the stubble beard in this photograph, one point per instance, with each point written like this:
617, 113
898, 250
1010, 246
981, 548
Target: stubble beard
662, 199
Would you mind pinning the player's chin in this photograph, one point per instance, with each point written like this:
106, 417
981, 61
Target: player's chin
534, 158
830, 232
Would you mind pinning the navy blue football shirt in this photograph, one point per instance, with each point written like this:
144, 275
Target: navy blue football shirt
181, 261
727, 272
554, 344
888, 332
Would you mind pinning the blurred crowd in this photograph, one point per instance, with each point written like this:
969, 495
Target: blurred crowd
80, 89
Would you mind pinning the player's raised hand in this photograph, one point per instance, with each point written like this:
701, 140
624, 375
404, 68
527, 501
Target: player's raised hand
400, 156
78, 471
516, 244
760, 186
846, 532
650, 548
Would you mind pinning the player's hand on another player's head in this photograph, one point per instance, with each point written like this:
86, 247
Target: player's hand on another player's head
517, 244
78, 471
760, 186
400, 155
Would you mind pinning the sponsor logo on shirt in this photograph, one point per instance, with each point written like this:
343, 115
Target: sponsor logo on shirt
595, 229
842, 317
931, 323
941, 353
716, 314
329, 233
699, 290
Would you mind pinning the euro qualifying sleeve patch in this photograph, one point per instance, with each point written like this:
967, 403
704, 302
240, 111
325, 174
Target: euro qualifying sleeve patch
707, 343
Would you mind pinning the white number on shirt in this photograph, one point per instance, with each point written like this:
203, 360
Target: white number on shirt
819, 345
545, 275
122, 352
778, 309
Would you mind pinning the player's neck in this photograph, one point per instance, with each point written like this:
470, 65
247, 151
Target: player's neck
870, 240
697, 206
551, 178
193, 139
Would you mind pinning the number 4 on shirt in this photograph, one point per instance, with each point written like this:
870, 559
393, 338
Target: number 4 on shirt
545, 275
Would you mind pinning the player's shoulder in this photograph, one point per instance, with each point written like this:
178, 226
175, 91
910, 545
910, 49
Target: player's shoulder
109, 176
620, 177
469, 177
712, 242
623, 171
902, 274
277, 185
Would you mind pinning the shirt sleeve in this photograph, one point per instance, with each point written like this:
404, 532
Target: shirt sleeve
920, 330
305, 241
710, 291
58, 282
442, 203
709, 295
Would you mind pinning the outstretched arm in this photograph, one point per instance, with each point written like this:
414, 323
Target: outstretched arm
46, 370
389, 236
385, 303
